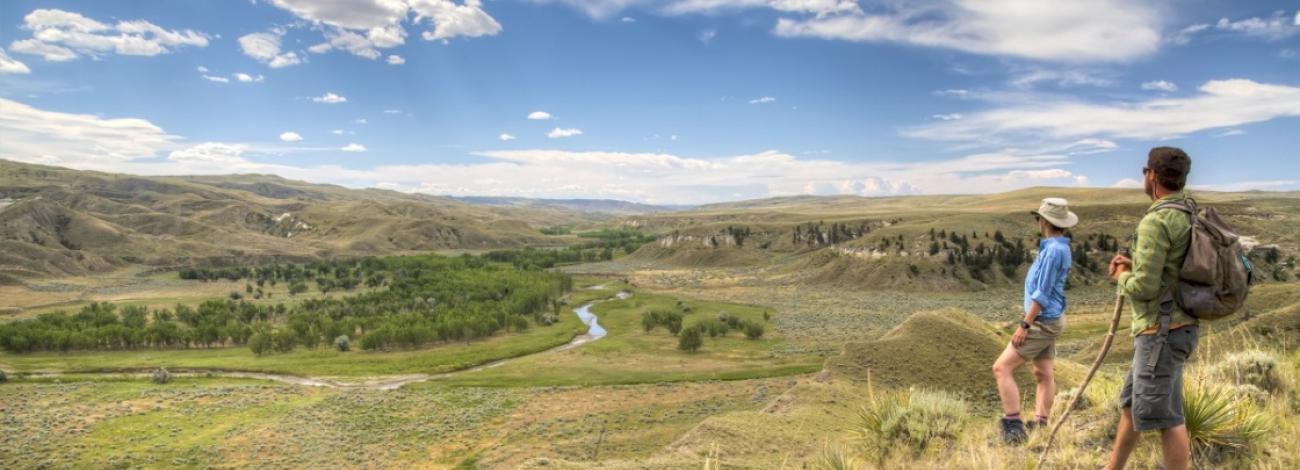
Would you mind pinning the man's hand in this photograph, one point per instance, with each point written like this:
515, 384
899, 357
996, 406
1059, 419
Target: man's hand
1018, 338
1119, 265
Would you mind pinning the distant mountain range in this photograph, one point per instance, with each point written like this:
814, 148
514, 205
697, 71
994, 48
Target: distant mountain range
595, 206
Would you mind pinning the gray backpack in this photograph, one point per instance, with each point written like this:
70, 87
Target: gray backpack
1215, 277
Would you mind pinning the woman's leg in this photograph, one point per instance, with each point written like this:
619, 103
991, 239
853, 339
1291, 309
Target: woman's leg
1046, 391
1004, 371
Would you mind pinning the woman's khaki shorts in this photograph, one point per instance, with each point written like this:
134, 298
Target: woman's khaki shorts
1040, 343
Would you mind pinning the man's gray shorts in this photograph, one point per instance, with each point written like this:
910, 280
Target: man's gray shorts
1156, 396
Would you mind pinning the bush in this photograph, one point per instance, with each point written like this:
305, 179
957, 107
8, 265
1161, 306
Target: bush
837, 458
260, 343
753, 330
1218, 422
3, 378
342, 343
161, 376
912, 420
1256, 368
690, 340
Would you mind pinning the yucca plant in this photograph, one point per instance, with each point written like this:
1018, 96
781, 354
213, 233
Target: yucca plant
1218, 422
913, 420
837, 458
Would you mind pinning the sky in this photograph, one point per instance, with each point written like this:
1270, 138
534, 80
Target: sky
657, 101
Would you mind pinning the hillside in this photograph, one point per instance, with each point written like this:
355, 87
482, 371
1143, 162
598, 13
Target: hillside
594, 206
56, 221
962, 242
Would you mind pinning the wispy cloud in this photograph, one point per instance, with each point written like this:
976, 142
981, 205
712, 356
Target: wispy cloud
59, 35
290, 136
1160, 85
762, 100
330, 98
560, 133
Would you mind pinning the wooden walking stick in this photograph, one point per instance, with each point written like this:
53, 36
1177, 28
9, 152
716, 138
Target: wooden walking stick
1105, 348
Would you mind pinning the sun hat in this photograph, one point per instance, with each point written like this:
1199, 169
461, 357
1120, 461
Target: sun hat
1057, 212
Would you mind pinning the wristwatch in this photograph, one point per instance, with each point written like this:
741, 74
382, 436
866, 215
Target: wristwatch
1024, 324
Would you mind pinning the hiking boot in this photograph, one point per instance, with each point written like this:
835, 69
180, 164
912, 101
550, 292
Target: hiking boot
1013, 431
1035, 424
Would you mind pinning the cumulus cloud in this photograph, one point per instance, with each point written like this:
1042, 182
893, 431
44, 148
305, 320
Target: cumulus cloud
560, 133
1065, 32
59, 35
265, 48
762, 100
539, 115
290, 136
246, 78
396, 60
35, 135
353, 147
504, 137
10, 65
210, 152
1220, 104
1274, 28
330, 98
362, 27
1160, 85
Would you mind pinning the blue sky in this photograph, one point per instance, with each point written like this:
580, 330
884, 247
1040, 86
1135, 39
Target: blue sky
665, 101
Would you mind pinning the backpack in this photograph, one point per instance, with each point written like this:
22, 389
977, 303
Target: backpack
1215, 277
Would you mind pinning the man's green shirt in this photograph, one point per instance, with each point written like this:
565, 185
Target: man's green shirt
1158, 253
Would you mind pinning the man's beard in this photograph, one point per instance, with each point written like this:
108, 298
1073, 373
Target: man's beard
1149, 188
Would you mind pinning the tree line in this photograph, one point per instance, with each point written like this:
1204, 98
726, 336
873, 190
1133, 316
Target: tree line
424, 300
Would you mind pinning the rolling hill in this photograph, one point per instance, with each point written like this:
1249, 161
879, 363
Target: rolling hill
56, 221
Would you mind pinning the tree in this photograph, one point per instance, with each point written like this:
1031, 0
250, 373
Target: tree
690, 340
753, 330
260, 343
297, 288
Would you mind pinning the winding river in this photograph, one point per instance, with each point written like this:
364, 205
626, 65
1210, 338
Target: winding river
594, 332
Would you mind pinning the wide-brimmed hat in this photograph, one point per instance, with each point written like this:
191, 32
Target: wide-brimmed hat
1057, 212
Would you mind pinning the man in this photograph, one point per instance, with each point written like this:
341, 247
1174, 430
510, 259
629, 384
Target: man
1164, 336
1035, 337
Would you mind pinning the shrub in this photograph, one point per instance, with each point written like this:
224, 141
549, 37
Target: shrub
690, 340
235, 295
342, 343
161, 376
1218, 422
1256, 368
837, 458
914, 420
260, 343
3, 378
753, 330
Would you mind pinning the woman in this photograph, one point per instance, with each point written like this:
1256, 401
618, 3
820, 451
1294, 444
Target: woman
1035, 336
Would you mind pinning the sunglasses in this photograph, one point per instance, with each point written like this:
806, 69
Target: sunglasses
1145, 170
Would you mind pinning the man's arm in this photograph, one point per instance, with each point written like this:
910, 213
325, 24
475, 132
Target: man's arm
1143, 282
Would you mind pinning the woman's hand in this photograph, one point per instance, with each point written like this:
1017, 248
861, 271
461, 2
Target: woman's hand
1018, 338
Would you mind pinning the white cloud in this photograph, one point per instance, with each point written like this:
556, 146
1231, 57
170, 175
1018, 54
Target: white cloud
35, 135
947, 117
361, 121
1274, 28
392, 111
210, 152
330, 98
629, 19
396, 60
1065, 32
1220, 104
762, 100
337, 132
212, 78
818, 7
290, 136
265, 48
954, 92
354, 148
1230, 133
451, 20
706, 36
1062, 78
9, 65
1296, 22
560, 133
59, 35
246, 78
504, 137
202, 69
539, 115
1160, 85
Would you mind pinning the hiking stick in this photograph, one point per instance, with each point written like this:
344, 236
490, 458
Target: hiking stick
1096, 364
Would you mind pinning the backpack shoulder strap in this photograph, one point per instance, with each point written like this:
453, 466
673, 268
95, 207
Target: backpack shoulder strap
1186, 206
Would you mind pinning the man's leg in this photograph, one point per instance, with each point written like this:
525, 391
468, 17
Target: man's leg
1004, 371
1126, 438
1046, 391
1177, 447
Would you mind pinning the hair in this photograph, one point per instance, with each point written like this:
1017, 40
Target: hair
1171, 165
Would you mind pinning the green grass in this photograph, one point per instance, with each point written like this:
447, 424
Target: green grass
627, 354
